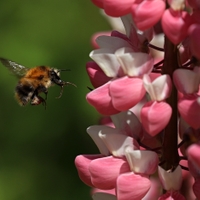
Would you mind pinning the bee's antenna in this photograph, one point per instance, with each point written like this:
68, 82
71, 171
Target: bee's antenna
69, 83
61, 70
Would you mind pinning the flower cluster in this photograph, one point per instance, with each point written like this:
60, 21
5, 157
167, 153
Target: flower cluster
150, 136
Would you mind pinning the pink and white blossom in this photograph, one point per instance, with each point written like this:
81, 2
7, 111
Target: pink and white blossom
148, 94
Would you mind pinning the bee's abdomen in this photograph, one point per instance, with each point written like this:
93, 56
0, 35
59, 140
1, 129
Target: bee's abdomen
23, 93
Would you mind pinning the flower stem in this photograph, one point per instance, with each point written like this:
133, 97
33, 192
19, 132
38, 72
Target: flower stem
170, 152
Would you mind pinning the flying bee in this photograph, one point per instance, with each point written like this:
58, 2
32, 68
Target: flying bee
33, 81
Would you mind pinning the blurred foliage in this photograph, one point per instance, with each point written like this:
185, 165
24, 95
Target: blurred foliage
38, 146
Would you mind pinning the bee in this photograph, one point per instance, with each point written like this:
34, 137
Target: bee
33, 81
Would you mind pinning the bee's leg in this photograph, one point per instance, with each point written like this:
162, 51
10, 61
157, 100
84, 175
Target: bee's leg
46, 92
43, 101
36, 99
43, 89
61, 91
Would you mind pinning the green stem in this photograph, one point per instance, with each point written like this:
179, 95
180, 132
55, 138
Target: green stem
169, 151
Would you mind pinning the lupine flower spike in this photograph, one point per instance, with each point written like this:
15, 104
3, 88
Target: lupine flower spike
145, 77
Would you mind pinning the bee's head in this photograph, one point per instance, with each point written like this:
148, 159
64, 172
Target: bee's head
55, 78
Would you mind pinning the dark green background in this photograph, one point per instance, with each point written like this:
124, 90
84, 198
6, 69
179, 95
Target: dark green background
38, 146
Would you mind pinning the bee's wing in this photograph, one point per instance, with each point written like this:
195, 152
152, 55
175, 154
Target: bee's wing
15, 68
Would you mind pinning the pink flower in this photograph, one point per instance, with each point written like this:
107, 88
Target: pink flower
171, 182
143, 13
96, 74
120, 160
187, 82
194, 39
193, 155
142, 10
118, 70
129, 186
150, 141
158, 90
175, 25
110, 98
114, 8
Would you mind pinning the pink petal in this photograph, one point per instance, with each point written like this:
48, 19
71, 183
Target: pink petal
175, 25
96, 75
155, 116
142, 162
186, 81
153, 76
101, 100
196, 188
106, 120
111, 191
194, 31
144, 14
126, 92
132, 186
193, 154
82, 164
117, 8
172, 195
155, 191
194, 169
189, 108
104, 171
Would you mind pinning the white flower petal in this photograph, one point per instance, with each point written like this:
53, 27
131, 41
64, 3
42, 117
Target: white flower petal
158, 40
160, 88
128, 122
106, 60
134, 63
144, 162
196, 70
177, 5
112, 43
117, 142
186, 81
133, 33
93, 132
115, 22
170, 180
127, 21
137, 108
